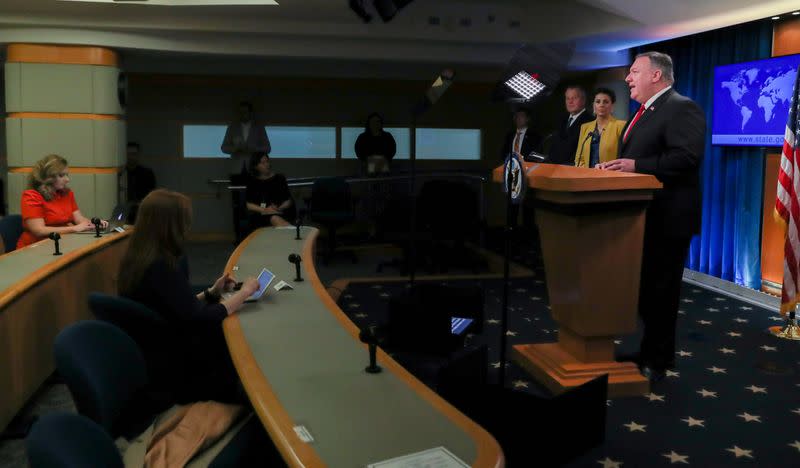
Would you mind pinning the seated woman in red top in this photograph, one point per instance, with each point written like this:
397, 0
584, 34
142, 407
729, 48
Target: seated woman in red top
48, 205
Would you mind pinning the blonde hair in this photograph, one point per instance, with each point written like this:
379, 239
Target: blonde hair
44, 173
162, 222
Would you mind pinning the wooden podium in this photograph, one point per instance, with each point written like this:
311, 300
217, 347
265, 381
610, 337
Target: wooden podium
591, 225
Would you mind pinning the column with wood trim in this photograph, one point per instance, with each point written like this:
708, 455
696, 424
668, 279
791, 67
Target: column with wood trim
67, 100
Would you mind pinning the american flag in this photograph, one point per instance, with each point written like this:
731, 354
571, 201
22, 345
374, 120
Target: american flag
787, 205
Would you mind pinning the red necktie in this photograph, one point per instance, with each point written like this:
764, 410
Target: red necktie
633, 122
516, 142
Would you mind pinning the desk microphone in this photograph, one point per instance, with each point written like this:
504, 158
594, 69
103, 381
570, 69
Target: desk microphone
294, 258
96, 222
369, 337
55, 236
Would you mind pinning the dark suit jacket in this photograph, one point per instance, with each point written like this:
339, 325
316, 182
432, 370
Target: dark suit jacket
668, 142
565, 141
531, 142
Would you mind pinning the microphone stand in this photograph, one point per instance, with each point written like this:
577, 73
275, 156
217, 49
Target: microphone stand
506, 276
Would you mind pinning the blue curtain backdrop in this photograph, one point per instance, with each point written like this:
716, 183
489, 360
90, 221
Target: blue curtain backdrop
732, 179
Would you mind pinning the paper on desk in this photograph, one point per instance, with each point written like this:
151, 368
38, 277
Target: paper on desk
438, 457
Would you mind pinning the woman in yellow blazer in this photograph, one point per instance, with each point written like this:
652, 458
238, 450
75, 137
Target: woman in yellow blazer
599, 139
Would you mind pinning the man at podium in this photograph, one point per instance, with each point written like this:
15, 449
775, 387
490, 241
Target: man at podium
665, 138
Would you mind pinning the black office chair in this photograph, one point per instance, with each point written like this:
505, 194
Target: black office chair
106, 375
10, 230
152, 335
331, 207
66, 440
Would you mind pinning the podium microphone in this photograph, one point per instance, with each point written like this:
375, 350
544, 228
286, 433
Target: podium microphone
55, 237
96, 222
369, 337
294, 258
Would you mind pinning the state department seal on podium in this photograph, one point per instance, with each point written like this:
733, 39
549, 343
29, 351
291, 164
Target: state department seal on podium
514, 177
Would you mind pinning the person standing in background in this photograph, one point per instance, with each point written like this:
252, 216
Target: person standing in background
139, 181
565, 138
375, 146
599, 139
522, 140
243, 138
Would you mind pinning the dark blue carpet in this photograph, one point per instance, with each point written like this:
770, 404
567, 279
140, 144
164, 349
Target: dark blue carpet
733, 399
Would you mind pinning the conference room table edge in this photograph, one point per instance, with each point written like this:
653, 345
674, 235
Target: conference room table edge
19, 290
278, 422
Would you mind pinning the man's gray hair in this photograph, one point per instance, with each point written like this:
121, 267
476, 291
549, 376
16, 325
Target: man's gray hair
662, 62
579, 89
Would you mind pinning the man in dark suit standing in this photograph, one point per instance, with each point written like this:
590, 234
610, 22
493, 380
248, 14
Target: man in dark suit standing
665, 138
523, 140
565, 138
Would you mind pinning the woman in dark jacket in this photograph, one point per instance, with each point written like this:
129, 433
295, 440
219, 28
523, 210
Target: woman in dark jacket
151, 274
375, 141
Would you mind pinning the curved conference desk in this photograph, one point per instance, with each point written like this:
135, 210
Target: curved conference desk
40, 294
302, 365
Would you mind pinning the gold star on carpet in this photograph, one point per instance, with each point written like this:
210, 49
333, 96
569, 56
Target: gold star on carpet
734, 334
769, 348
705, 393
745, 308
520, 384
740, 320
777, 319
755, 389
654, 397
796, 411
727, 351
694, 422
749, 417
704, 322
687, 300
492, 321
683, 353
609, 463
739, 452
671, 373
676, 458
712, 309
718, 370
536, 298
719, 299
633, 427
511, 333
360, 315
795, 444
